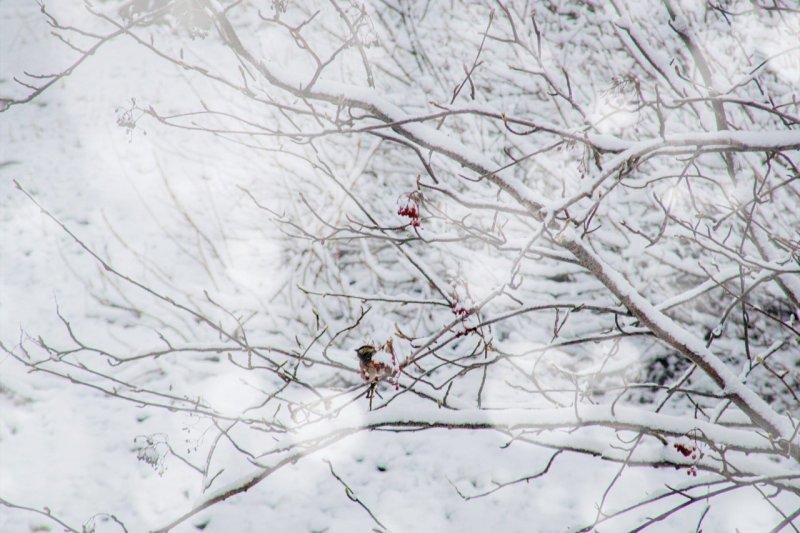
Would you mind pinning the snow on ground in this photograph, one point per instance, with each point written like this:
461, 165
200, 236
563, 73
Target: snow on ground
72, 449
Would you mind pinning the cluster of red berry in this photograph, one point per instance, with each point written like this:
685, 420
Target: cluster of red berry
411, 210
374, 371
692, 452
459, 310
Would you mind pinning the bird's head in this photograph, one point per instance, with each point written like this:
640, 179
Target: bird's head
365, 353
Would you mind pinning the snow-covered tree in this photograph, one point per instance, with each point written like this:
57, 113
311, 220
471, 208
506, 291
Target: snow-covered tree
573, 224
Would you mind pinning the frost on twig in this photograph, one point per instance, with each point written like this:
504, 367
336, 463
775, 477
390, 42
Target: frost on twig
579, 225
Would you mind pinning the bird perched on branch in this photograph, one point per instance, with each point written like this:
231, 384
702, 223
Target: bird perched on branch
371, 371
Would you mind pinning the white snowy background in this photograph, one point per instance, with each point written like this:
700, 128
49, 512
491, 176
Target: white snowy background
135, 197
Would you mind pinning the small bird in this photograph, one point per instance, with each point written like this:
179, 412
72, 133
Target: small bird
371, 371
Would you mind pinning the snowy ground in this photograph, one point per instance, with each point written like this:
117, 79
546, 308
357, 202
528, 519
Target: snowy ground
71, 449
